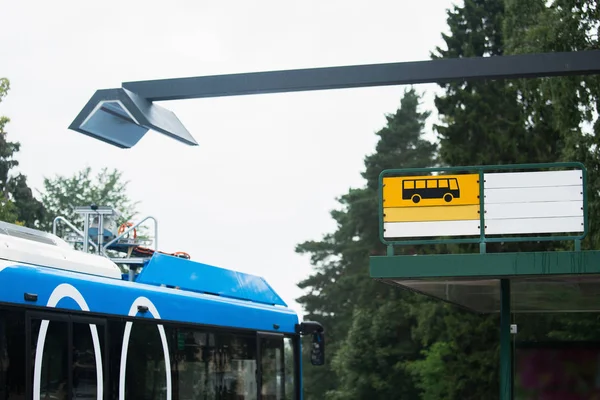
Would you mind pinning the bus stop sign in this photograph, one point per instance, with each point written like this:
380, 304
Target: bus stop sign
481, 202
442, 204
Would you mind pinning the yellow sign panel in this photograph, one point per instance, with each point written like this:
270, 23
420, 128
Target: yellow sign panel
430, 191
422, 214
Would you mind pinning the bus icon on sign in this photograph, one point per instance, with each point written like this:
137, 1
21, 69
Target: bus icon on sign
430, 188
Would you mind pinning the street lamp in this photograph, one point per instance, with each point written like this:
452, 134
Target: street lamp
121, 118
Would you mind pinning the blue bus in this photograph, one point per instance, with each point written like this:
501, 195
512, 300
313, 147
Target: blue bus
73, 326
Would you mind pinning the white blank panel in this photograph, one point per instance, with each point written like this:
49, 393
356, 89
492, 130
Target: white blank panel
532, 179
534, 225
533, 194
534, 210
430, 229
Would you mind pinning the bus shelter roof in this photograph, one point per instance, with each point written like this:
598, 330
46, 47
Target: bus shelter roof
561, 281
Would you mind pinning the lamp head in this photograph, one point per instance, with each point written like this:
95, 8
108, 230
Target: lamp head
121, 118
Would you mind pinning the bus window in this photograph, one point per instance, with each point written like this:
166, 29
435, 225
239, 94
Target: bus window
431, 184
233, 371
288, 355
116, 330
272, 367
54, 359
443, 183
212, 366
145, 377
408, 184
4, 359
420, 184
190, 363
65, 367
84, 360
12, 362
453, 184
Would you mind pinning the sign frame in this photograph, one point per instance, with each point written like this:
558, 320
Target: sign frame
482, 238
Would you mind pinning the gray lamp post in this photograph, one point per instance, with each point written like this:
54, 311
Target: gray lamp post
123, 116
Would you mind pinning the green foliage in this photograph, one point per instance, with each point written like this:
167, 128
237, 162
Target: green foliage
8, 210
505, 122
107, 188
483, 121
17, 203
569, 105
429, 370
564, 104
388, 343
401, 144
462, 362
339, 290
373, 362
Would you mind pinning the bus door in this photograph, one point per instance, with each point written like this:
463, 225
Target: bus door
67, 357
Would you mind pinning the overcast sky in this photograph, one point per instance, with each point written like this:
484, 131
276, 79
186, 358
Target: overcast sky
268, 168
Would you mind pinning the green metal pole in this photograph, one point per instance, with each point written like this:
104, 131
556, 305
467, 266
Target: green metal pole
506, 384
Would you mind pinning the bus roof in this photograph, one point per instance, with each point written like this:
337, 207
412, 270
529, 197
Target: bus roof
168, 287
47, 287
189, 275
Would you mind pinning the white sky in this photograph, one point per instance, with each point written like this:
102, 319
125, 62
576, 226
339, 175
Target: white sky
268, 168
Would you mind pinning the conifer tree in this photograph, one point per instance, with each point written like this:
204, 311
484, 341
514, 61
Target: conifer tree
340, 289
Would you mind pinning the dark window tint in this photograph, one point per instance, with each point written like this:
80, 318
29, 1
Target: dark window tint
12, 360
288, 361
115, 335
273, 381
234, 360
65, 354
203, 363
145, 378
213, 366
190, 368
87, 355
50, 358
